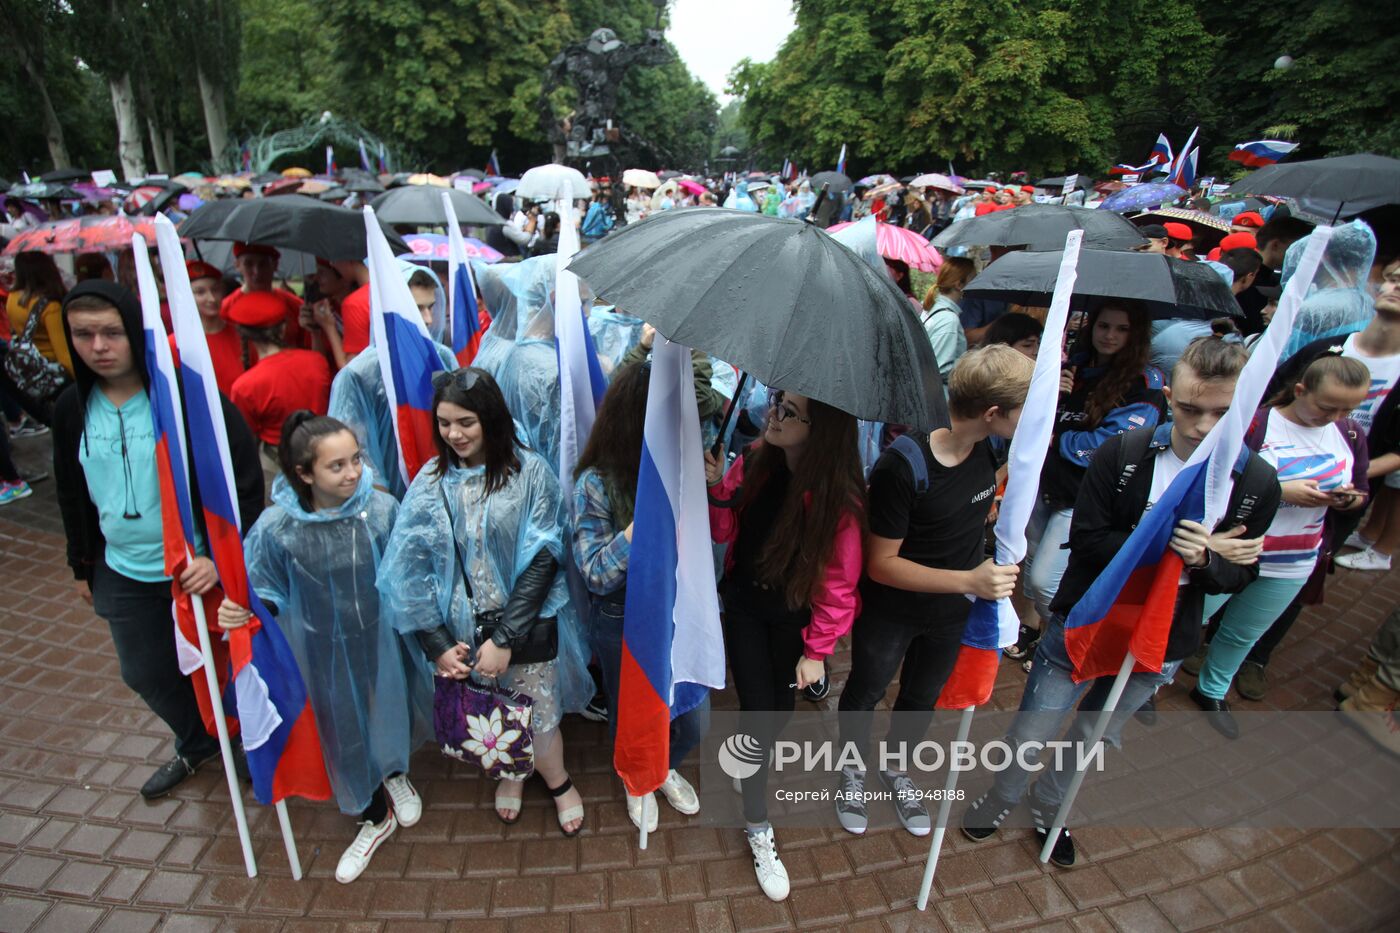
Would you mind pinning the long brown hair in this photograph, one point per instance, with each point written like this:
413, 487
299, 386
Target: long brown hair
614, 445
37, 276
827, 484
1126, 368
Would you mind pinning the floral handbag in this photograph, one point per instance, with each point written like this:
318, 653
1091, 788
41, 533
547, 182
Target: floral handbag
488, 726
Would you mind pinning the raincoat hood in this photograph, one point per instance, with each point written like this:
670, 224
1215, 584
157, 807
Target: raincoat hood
285, 496
1345, 264
1338, 302
129, 308
439, 326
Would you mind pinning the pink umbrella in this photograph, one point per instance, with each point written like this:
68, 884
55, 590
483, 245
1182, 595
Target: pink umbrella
694, 187
905, 245
433, 247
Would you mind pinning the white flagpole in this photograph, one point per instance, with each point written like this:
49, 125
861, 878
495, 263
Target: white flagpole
646, 799
289, 840
945, 808
1100, 727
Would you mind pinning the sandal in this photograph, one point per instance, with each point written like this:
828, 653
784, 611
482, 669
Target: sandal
505, 788
572, 813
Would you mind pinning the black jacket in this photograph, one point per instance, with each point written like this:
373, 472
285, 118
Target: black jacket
85, 541
1108, 510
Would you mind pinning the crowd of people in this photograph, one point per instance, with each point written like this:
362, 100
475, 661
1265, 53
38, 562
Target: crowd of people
382, 580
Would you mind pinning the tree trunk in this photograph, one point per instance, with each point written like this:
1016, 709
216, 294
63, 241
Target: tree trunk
211, 93
129, 148
157, 144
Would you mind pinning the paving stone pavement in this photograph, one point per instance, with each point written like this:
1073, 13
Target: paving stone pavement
80, 850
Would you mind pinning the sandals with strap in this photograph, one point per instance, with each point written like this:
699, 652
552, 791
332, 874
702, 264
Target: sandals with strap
510, 795
572, 813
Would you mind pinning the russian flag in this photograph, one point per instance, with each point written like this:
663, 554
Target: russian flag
1186, 172
279, 730
467, 320
1123, 168
1176, 168
1131, 604
493, 164
407, 355
176, 509
841, 160
1161, 151
992, 626
330, 160
383, 160
364, 157
582, 383
1261, 152
672, 646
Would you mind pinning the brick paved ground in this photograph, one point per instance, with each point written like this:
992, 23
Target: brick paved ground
80, 850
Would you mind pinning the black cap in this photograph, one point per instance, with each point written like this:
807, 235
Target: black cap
1153, 231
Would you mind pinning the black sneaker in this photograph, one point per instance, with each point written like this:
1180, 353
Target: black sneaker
985, 816
850, 801
1063, 854
817, 692
908, 802
173, 773
597, 709
1026, 640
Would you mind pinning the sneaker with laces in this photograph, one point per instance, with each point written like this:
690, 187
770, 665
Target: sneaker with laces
355, 859
850, 801
1357, 540
680, 794
908, 802
634, 811
173, 773
13, 492
981, 820
597, 709
772, 875
408, 806
1044, 816
818, 691
28, 427
1369, 559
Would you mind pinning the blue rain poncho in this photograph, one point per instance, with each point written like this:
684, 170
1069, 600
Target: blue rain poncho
371, 696
519, 350
1337, 301
742, 201
420, 586
614, 334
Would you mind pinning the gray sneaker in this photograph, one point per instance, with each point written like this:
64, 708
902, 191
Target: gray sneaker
850, 801
908, 802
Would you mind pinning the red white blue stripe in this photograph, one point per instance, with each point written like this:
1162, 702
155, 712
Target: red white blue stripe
1161, 151
493, 164
841, 160
581, 380
407, 355
1261, 152
269, 696
672, 646
464, 313
1178, 167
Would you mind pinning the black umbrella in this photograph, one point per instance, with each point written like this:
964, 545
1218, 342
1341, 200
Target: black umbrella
476, 173
836, 182
421, 205
44, 191
293, 221
334, 194
778, 299
1042, 227
66, 174
1171, 288
364, 184
1338, 187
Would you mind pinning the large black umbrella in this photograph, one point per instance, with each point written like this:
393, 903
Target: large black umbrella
1338, 187
778, 299
1042, 227
836, 182
66, 174
476, 173
1171, 288
421, 205
291, 221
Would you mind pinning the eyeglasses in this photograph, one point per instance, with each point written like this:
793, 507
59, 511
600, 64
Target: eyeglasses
784, 412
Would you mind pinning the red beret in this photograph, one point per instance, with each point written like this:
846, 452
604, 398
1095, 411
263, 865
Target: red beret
1247, 219
1214, 255
257, 309
202, 270
255, 249
1029, 189
1178, 231
1238, 241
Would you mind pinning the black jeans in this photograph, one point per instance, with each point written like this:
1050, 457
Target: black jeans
764, 643
143, 634
922, 653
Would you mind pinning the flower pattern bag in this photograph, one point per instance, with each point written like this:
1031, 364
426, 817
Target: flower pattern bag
488, 726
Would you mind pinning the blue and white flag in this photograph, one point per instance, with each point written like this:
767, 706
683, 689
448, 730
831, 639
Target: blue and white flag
464, 315
581, 379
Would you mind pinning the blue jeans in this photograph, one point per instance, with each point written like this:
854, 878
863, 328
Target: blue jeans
1047, 557
1050, 695
605, 637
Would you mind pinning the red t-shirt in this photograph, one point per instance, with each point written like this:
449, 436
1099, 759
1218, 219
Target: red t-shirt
292, 335
354, 317
226, 353
279, 385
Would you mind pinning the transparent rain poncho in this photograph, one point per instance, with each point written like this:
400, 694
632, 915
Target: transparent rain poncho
371, 696
420, 586
1337, 301
614, 333
519, 350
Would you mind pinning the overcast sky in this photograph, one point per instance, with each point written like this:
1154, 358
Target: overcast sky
713, 35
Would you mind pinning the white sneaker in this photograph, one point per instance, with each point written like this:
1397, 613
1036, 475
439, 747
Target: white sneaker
1357, 540
367, 840
772, 876
1369, 559
679, 794
408, 806
634, 810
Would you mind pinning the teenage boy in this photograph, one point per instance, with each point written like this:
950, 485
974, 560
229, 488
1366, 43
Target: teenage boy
928, 505
109, 495
1126, 476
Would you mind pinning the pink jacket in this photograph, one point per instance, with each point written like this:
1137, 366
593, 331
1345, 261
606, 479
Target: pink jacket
837, 601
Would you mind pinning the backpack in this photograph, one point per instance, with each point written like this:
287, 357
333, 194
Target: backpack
908, 450
1135, 444
37, 376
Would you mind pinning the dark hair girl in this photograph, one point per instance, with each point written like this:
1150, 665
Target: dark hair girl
475, 391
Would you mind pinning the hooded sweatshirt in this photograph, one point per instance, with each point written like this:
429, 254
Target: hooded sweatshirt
81, 522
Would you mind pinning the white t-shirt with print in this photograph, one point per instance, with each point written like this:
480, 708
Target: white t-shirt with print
1322, 454
1165, 467
1385, 370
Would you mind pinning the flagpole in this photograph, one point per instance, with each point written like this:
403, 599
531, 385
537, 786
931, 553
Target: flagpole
646, 799
289, 839
211, 677
1100, 727
944, 810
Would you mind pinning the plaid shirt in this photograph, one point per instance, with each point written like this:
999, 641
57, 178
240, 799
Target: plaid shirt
600, 549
